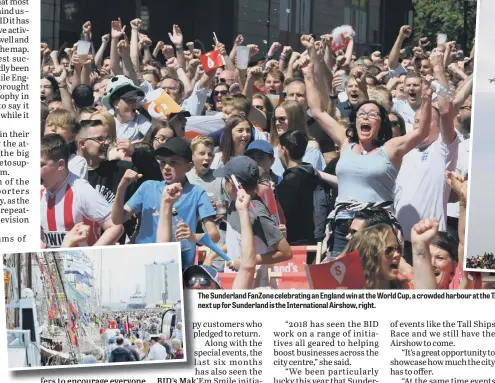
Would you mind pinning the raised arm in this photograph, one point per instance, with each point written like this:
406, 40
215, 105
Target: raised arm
178, 40
145, 43
462, 94
422, 235
459, 186
239, 40
123, 50
170, 194
101, 51
398, 147
393, 58
117, 32
135, 26
329, 125
121, 213
245, 276
446, 109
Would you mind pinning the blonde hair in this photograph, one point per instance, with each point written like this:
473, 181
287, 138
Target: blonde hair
296, 120
107, 119
370, 243
202, 140
64, 119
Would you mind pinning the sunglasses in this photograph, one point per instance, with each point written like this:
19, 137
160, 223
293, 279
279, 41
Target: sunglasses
203, 282
100, 139
261, 107
396, 123
280, 120
391, 250
220, 92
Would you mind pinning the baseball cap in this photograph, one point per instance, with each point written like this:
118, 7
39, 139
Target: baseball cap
184, 113
175, 146
262, 146
245, 169
120, 87
205, 270
111, 340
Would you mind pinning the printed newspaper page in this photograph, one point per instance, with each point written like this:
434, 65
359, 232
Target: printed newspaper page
308, 161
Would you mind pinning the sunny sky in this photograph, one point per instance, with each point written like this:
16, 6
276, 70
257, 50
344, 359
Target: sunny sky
481, 207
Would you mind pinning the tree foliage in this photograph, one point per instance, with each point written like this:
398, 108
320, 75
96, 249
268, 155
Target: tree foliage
446, 16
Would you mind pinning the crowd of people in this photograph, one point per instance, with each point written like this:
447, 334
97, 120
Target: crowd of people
172, 143
135, 336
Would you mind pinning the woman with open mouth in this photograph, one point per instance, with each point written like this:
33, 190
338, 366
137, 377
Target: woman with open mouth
370, 158
380, 253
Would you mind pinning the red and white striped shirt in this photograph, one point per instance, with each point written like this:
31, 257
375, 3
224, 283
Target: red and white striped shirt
74, 202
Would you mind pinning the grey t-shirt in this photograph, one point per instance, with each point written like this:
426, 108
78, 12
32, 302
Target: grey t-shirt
266, 236
209, 182
265, 229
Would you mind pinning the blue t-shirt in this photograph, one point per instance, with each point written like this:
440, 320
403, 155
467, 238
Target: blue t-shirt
192, 204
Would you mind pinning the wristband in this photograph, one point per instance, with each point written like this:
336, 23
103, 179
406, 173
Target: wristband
334, 96
179, 49
463, 203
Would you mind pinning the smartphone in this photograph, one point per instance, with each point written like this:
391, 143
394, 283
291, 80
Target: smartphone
235, 182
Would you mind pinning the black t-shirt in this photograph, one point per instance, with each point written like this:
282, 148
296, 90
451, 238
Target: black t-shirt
105, 179
345, 109
317, 132
295, 194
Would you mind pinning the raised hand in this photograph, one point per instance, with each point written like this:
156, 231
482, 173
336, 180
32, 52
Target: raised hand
436, 58
105, 38
183, 231
320, 49
307, 41
176, 36
136, 24
327, 39
79, 233
276, 46
117, 29
255, 70
458, 184
168, 51
306, 65
125, 146
171, 193
242, 201
286, 52
424, 232
253, 50
172, 62
129, 177
239, 40
86, 30
190, 46
144, 41
124, 48
405, 31
423, 42
221, 48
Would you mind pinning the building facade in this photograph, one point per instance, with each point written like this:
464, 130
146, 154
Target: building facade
261, 22
162, 283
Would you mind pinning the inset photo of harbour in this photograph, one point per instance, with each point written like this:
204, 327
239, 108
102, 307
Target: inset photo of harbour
95, 306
